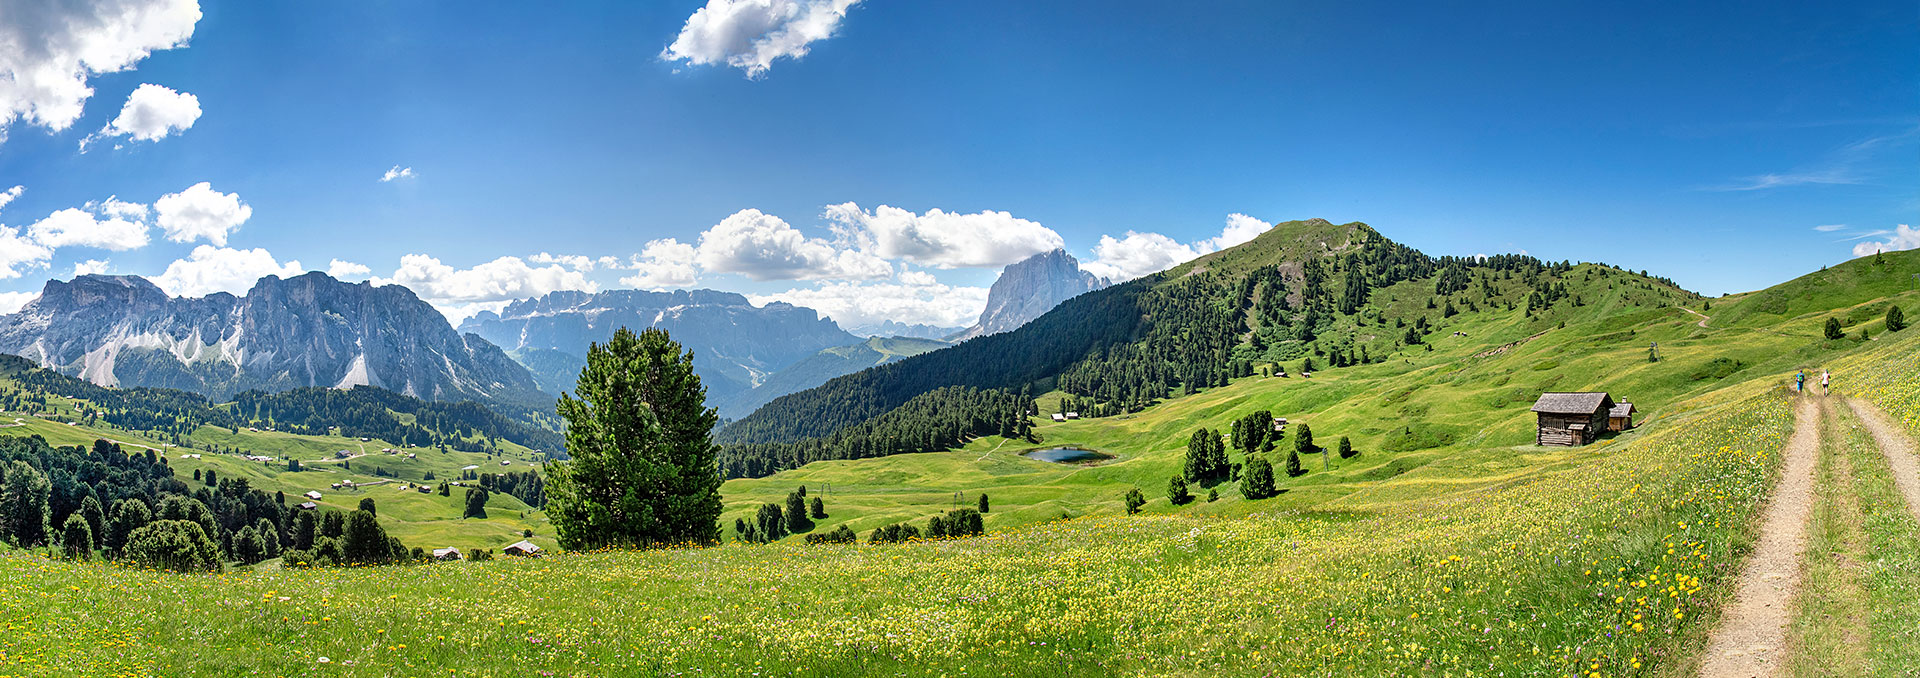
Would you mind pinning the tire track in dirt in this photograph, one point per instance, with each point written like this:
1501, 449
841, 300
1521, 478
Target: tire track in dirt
1753, 628
1896, 447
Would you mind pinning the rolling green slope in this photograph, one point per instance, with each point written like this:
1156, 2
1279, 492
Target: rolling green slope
1449, 545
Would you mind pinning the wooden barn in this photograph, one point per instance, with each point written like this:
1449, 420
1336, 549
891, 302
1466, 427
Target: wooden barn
1620, 418
1571, 419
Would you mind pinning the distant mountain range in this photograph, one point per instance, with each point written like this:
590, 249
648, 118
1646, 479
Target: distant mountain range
735, 344
889, 328
816, 369
308, 330
1028, 289
315, 331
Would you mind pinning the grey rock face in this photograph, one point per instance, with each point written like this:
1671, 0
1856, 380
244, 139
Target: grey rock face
734, 344
1029, 288
308, 330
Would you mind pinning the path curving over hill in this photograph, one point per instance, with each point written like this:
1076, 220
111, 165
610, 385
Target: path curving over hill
1896, 446
1753, 629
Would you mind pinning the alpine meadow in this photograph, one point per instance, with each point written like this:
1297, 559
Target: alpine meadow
1587, 349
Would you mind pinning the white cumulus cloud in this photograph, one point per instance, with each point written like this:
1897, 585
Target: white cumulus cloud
459, 293
210, 269
346, 269
20, 253
1137, 254
10, 195
664, 263
90, 267
12, 302
73, 227
201, 212
397, 172
1905, 237
945, 239
150, 114
917, 299
48, 50
751, 34
764, 247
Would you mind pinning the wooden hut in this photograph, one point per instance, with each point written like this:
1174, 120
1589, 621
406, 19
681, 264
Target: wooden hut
521, 548
1571, 418
1620, 418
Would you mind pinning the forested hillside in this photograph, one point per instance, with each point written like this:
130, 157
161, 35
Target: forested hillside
1326, 295
362, 411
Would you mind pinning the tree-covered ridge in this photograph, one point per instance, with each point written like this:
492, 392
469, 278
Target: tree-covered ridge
1328, 295
131, 507
936, 420
363, 411
366, 411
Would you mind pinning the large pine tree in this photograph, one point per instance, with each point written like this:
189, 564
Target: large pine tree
643, 471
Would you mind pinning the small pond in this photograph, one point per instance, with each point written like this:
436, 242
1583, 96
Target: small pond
1069, 455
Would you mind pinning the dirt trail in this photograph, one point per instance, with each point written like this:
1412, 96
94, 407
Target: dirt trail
1754, 627
1703, 317
1896, 446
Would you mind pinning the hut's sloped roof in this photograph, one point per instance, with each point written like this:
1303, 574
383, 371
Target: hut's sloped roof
1621, 410
1570, 403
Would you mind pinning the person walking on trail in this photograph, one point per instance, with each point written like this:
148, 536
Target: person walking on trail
1800, 382
1826, 378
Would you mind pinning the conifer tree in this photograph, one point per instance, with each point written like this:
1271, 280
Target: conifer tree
76, 537
643, 470
1256, 480
1177, 491
797, 512
983, 502
1832, 329
476, 506
1134, 500
24, 516
1896, 319
1293, 464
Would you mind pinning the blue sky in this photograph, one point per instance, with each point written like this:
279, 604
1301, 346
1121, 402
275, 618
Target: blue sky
750, 145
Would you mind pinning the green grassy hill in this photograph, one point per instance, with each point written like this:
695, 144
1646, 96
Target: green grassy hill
1452, 420
1450, 545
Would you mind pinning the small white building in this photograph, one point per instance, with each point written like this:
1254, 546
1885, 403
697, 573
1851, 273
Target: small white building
314, 494
1059, 417
1073, 415
521, 548
448, 553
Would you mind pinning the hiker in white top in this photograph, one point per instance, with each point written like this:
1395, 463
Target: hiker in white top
1825, 378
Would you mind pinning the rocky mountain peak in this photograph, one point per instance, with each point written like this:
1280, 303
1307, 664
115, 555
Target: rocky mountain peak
1029, 288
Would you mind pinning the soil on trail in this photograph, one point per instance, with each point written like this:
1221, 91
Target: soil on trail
1753, 628
1896, 446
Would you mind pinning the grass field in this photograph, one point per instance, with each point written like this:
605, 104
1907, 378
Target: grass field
1449, 546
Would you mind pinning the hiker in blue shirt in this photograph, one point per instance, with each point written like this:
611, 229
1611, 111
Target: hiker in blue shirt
1800, 382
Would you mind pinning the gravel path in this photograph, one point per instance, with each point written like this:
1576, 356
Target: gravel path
1897, 447
1754, 627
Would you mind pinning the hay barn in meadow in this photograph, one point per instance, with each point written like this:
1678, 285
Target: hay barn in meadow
1571, 419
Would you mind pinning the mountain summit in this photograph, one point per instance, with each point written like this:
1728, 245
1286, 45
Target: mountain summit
1029, 288
308, 330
